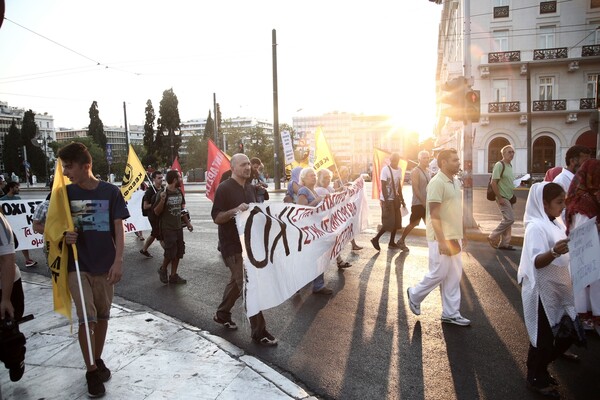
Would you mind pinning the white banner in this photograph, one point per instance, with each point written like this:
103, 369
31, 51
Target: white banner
288, 148
285, 246
19, 214
584, 252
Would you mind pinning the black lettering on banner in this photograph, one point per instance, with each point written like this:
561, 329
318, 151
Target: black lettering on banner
266, 234
32, 205
29, 218
292, 223
13, 208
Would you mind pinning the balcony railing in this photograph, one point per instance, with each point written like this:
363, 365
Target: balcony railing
590, 51
501, 12
550, 105
504, 56
550, 54
547, 7
587, 104
504, 107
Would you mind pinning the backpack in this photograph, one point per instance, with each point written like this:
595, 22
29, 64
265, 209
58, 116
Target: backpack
491, 196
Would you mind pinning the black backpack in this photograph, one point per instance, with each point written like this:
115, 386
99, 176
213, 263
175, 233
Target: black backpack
491, 196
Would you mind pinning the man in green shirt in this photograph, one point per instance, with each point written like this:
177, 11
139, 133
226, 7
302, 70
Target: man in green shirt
502, 183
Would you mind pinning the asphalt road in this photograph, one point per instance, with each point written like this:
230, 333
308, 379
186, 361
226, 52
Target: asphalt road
363, 342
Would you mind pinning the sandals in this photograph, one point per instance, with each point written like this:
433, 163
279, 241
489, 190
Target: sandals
356, 248
509, 247
343, 265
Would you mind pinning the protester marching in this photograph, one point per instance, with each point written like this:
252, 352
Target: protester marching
274, 246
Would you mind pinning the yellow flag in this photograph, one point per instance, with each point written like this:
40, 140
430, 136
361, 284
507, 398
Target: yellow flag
381, 159
133, 176
58, 220
323, 157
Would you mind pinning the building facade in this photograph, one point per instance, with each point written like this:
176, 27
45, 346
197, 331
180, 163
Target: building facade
45, 123
536, 65
351, 138
115, 137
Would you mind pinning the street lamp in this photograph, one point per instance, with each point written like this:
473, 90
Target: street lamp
172, 133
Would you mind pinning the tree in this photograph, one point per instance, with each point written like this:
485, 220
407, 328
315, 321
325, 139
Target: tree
149, 128
35, 155
169, 117
197, 149
99, 163
11, 149
96, 127
209, 128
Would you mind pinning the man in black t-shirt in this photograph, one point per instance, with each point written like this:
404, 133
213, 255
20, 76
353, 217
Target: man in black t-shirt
147, 201
232, 197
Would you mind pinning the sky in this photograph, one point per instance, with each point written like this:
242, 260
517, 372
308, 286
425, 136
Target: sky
376, 57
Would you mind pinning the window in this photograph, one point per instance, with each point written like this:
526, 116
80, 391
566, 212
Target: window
546, 87
591, 86
500, 90
543, 155
494, 151
546, 37
500, 39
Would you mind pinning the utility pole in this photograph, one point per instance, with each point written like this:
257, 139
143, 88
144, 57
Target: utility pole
216, 138
275, 112
468, 220
126, 129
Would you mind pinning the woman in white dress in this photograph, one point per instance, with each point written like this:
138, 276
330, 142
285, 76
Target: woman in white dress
583, 203
546, 291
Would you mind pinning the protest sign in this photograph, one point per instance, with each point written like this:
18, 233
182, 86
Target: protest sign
286, 246
584, 252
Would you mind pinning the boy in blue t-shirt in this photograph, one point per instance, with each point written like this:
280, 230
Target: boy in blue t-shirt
98, 210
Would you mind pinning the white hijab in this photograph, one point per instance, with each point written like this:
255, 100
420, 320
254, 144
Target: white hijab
540, 234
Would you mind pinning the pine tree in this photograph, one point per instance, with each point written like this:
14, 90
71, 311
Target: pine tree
96, 127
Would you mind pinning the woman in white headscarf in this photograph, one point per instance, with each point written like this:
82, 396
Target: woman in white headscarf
547, 291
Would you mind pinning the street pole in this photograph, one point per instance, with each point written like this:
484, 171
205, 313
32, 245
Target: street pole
171, 136
468, 220
216, 127
126, 129
46, 157
26, 165
275, 112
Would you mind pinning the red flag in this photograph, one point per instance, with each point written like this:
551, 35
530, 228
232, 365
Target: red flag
218, 163
177, 167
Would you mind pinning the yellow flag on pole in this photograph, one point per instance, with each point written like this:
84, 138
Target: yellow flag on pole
323, 157
133, 176
58, 220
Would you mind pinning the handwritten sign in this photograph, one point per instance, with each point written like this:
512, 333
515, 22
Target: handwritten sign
584, 250
288, 148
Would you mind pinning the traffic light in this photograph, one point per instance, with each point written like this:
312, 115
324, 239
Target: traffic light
454, 96
19, 152
472, 106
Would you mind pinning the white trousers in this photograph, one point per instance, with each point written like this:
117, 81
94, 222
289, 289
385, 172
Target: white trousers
588, 299
446, 272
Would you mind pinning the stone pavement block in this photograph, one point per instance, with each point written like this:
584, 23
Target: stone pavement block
45, 382
275, 377
249, 385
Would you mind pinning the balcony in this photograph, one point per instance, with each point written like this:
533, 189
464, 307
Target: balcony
587, 104
501, 12
504, 56
550, 105
550, 54
504, 107
590, 51
547, 7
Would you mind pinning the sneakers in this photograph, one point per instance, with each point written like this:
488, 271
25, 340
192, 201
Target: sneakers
145, 253
95, 385
229, 325
177, 280
30, 263
162, 274
324, 290
103, 372
460, 320
415, 308
266, 340
375, 244
402, 245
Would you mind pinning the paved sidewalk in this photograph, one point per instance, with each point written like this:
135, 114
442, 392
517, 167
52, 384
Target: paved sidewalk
151, 356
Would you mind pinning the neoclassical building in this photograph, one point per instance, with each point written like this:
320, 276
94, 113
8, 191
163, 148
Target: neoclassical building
536, 64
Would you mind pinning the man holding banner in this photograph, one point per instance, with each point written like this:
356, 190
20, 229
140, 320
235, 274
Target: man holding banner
232, 197
97, 209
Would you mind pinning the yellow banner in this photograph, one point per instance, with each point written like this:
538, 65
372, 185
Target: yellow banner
58, 220
134, 174
323, 157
